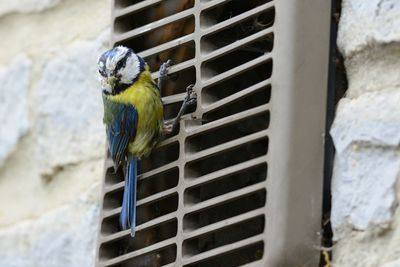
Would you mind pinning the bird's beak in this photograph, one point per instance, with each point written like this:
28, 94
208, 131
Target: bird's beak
109, 83
112, 81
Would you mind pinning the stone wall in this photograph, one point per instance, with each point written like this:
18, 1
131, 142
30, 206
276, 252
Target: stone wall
51, 138
366, 132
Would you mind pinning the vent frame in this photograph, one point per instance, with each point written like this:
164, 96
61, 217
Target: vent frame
295, 134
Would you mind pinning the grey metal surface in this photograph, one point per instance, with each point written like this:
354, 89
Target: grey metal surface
241, 183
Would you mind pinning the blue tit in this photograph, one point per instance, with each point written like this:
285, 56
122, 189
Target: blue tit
133, 116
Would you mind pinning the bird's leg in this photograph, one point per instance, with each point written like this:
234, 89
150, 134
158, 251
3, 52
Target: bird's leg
163, 72
189, 100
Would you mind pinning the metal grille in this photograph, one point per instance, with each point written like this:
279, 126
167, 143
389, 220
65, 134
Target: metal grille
241, 183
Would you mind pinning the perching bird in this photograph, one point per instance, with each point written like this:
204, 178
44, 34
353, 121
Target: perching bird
133, 115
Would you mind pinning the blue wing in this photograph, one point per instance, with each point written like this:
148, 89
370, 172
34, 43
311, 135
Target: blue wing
120, 131
121, 123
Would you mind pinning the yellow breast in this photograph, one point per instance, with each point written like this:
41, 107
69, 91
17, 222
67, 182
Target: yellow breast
145, 97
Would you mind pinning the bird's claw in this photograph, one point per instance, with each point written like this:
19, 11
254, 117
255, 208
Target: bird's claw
191, 96
163, 72
165, 67
168, 128
190, 99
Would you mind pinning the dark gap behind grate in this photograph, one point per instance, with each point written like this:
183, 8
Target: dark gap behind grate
229, 10
233, 258
177, 83
147, 15
178, 54
112, 177
223, 159
225, 210
157, 208
145, 213
159, 157
224, 236
143, 238
170, 110
240, 179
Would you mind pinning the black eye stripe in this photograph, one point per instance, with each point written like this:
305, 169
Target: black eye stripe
122, 62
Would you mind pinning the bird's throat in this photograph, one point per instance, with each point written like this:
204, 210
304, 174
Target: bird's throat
120, 88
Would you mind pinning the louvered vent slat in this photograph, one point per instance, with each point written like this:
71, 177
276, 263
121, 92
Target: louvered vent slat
178, 67
223, 224
155, 25
224, 190
227, 171
223, 249
167, 46
133, 4
211, 78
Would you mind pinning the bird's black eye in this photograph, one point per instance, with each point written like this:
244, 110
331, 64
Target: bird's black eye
120, 64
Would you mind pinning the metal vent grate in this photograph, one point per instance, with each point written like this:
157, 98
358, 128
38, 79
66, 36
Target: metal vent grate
240, 184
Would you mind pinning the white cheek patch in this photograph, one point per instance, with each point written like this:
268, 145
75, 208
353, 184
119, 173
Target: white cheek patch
131, 69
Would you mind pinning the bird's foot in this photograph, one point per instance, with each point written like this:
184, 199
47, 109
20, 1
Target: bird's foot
190, 99
168, 129
163, 73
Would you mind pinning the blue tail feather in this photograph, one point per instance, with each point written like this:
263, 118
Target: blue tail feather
127, 217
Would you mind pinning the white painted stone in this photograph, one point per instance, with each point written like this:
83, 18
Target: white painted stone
24, 194
392, 264
69, 125
25, 6
63, 237
38, 33
363, 187
373, 118
365, 23
14, 87
366, 134
374, 69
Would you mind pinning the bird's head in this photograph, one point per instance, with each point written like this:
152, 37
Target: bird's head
119, 67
